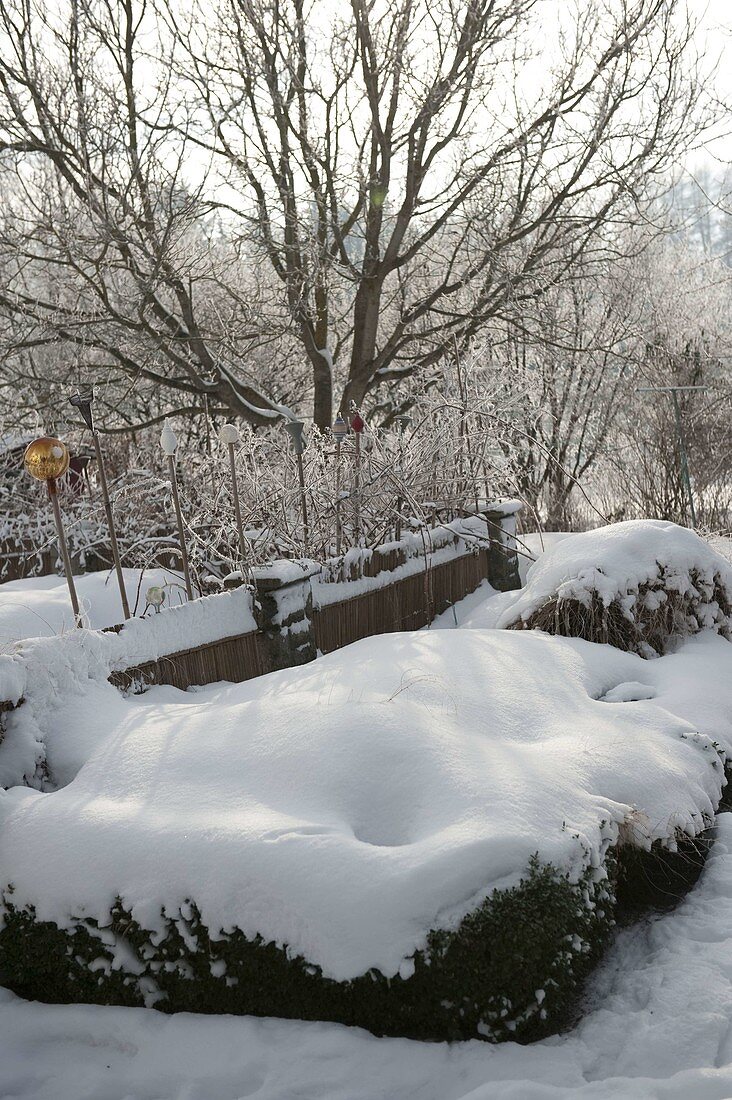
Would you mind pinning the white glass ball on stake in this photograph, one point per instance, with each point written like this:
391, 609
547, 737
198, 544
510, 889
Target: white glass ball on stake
295, 429
229, 435
155, 596
168, 440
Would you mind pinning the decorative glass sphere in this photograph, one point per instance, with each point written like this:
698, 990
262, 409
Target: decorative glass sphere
46, 458
155, 595
229, 433
294, 429
168, 440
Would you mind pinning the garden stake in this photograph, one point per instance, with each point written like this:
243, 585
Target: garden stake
53, 493
357, 426
83, 403
229, 435
169, 443
340, 431
294, 429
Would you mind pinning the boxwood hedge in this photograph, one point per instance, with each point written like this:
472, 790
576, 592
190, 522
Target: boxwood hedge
513, 969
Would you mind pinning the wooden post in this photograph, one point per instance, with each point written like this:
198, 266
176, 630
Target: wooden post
303, 504
338, 497
237, 505
110, 524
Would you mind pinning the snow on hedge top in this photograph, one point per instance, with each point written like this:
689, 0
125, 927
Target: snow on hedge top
615, 561
347, 808
206, 619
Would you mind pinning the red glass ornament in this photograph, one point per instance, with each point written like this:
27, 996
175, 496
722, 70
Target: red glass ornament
357, 424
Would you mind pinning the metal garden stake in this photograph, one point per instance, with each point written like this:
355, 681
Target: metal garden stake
169, 443
340, 431
83, 403
294, 429
229, 436
357, 426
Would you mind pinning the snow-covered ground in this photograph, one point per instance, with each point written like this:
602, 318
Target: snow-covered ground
38, 607
483, 608
657, 1020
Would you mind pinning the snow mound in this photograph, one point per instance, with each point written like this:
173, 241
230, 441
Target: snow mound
346, 809
640, 585
69, 707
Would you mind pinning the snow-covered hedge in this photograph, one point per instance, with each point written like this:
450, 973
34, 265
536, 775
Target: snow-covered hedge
639, 586
512, 968
415, 834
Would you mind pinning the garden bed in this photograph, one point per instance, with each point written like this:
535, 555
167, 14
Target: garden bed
416, 834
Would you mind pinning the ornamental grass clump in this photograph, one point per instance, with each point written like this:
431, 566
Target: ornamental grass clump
641, 586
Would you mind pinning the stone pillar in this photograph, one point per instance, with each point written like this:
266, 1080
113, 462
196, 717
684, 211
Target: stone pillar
503, 566
283, 608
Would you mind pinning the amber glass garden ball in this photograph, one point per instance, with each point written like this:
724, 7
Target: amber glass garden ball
46, 457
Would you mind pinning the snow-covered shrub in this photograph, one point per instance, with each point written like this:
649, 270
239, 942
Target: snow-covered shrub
640, 586
415, 834
511, 970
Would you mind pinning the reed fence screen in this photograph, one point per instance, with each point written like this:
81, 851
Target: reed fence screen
406, 603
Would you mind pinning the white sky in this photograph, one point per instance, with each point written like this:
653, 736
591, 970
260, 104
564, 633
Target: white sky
715, 32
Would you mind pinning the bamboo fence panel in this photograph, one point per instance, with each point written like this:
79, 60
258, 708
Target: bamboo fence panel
408, 603
234, 659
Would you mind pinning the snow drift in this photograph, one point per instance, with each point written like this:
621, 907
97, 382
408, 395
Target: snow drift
68, 705
640, 586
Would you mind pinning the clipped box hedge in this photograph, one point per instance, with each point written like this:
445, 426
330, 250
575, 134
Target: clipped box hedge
321, 823
514, 968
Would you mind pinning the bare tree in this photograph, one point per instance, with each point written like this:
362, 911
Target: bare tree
108, 249
565, 372
407, 181
370, 184
682, 337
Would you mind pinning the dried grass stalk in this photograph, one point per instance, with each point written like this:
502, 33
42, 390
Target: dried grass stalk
649, 621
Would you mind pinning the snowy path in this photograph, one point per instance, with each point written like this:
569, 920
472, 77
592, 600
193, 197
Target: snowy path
659, 1025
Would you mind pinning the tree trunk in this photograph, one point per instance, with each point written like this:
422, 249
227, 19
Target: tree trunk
322, 392
365, 329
